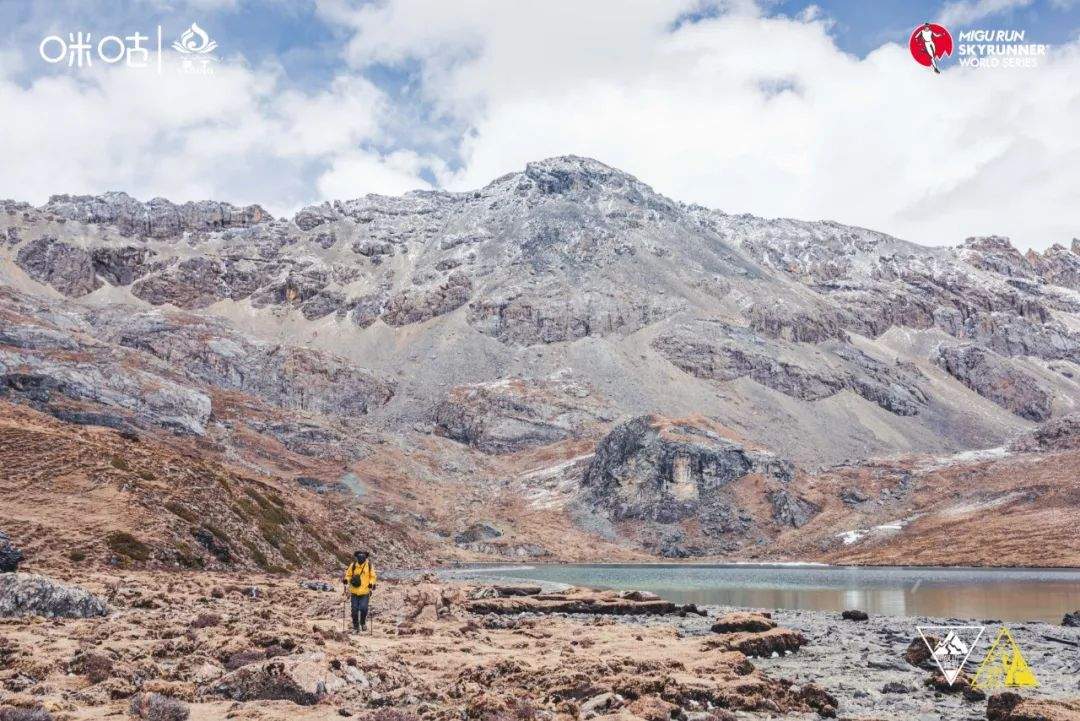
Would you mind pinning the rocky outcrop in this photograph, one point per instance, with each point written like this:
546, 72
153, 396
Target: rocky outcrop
1057, 434
515, 414
531, 316
996, 254
789, 509
1071, 619
663, 472
1059, 265
156, 219
996, 379
721, 352
65, 267
28, 594
123, 265
210, 352
199, 282
48, 384
10, 556
413, 306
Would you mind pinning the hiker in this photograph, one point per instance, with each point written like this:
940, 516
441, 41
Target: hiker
359, 580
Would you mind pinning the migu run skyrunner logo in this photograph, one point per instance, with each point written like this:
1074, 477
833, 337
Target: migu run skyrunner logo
929, 43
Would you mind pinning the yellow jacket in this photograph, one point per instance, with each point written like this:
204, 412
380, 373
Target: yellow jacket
365, 572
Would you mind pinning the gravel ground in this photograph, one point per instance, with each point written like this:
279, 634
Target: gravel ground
854, 660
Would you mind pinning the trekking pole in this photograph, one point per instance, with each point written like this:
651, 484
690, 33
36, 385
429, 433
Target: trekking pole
371, 614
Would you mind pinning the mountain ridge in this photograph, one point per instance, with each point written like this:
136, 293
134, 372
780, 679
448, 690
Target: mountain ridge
518, 324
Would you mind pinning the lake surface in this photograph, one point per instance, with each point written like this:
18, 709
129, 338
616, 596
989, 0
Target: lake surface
967, 593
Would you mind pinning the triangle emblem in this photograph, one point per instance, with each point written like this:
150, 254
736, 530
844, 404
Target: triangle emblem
950, 647
1004, 666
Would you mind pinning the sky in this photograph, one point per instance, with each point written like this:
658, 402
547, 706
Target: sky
779, 108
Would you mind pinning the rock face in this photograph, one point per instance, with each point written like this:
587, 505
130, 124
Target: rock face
722, 352
156, 219
10, 557
666, 472
409, 307
515, 414
27, 594
213, 353
66, 268
1059, 434
537, 314
993, 377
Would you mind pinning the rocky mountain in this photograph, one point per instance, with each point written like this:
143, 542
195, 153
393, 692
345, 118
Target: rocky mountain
584, 354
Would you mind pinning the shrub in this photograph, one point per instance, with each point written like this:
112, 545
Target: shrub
77, 556
123, 543
288, 551
257, 555
179, 509
119, 464
155, 707
95, 666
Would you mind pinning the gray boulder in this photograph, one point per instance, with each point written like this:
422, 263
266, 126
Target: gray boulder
10, 557
28, 594
664, 473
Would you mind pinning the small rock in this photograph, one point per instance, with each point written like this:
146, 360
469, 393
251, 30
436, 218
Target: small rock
896, 687
1071, 619
918, 652
854, 615
743, 621
316, 585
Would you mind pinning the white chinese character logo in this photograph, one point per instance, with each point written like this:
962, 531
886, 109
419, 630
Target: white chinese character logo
194, 41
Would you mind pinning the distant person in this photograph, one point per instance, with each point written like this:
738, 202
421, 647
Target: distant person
359, 580
927, 35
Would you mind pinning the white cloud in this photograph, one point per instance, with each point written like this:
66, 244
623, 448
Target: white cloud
236, 136
963, 12
358, 173
746, 113
733, 109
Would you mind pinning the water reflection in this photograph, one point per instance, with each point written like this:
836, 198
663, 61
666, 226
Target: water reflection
1005, 594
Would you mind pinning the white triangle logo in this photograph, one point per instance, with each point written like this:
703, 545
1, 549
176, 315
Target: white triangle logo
950, 646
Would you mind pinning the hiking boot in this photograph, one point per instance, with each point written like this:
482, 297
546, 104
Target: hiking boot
363, 627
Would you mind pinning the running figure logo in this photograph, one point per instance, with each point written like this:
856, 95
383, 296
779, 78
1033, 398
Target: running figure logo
930, 42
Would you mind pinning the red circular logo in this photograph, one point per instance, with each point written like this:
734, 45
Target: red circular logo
929, 42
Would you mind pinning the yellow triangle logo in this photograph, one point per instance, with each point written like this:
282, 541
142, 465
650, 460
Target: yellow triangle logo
1004, 666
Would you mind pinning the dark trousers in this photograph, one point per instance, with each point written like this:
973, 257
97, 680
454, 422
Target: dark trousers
359, 610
